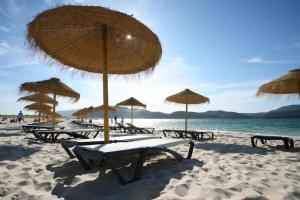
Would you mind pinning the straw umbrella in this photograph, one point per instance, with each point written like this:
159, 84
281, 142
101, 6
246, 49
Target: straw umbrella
132, 102
97, 40
187, 97
287, 84
53, 86
37, 107
90, 111
101, 109
39, 98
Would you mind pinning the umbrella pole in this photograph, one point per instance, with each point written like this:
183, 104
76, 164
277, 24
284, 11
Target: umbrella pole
53, 114
105, 84
186, 116
131, 114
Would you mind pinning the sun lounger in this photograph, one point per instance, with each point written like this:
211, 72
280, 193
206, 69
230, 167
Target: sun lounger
52, 135
288, 141
68, 145
140, 129
106, 152
31, 127
197, 135
126, 128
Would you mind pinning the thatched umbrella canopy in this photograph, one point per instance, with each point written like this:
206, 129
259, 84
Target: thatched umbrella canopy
101, 108
89, 110
131, 102
36, 106
187, 97
81, 112
53, 86
287, 84
95, 39
39, 98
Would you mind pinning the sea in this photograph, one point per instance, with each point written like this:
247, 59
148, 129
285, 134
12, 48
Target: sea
232, 126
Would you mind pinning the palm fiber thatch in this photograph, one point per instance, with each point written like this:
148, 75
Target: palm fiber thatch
187, 97
95, 39
131, 102
73, 35
36, 106
101, 108
39, 98
50, 86
287, 84
53, 86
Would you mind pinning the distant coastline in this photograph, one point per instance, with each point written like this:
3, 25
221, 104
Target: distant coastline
291, 111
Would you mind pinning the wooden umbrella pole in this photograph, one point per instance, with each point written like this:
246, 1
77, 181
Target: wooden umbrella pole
186, 116
105, 84
53, 114
131, 114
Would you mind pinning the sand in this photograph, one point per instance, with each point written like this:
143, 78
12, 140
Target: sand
225, 168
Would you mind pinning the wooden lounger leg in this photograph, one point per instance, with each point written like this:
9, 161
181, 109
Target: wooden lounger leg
291, 143
115, 171
286, 143
189, 156
83, 163
71, 155
96, 134
254, 141
164, 149
139, 165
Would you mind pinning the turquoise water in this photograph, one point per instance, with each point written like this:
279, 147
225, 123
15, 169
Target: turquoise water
263, 126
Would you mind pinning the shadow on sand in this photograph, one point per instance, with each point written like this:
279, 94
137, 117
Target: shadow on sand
15, 152
155, 176
232, 148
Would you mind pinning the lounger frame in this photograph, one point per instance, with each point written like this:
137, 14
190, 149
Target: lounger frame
107, 158
52, 135
141, 130
68, 144
197, 135
287, 141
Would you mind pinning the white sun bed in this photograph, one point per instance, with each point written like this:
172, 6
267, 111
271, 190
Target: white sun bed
69, 144
106, 152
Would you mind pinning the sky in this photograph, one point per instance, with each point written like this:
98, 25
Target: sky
223, 50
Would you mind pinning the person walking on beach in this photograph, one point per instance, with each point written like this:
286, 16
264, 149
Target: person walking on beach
20, 117
122, 120
115, 119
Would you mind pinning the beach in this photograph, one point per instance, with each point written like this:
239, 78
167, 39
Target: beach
227, 167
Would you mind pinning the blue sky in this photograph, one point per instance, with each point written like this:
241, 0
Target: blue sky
221, 49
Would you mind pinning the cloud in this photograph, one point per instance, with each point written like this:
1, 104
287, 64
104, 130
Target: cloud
4, 28
260, 60
4, 47
255, 60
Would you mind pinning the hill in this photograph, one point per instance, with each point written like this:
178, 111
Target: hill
291, 111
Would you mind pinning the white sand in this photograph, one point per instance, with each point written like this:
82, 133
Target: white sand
225, 168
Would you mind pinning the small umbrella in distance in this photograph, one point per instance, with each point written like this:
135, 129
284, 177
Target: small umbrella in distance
132, 102
53, 86
39, 98
187, 97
